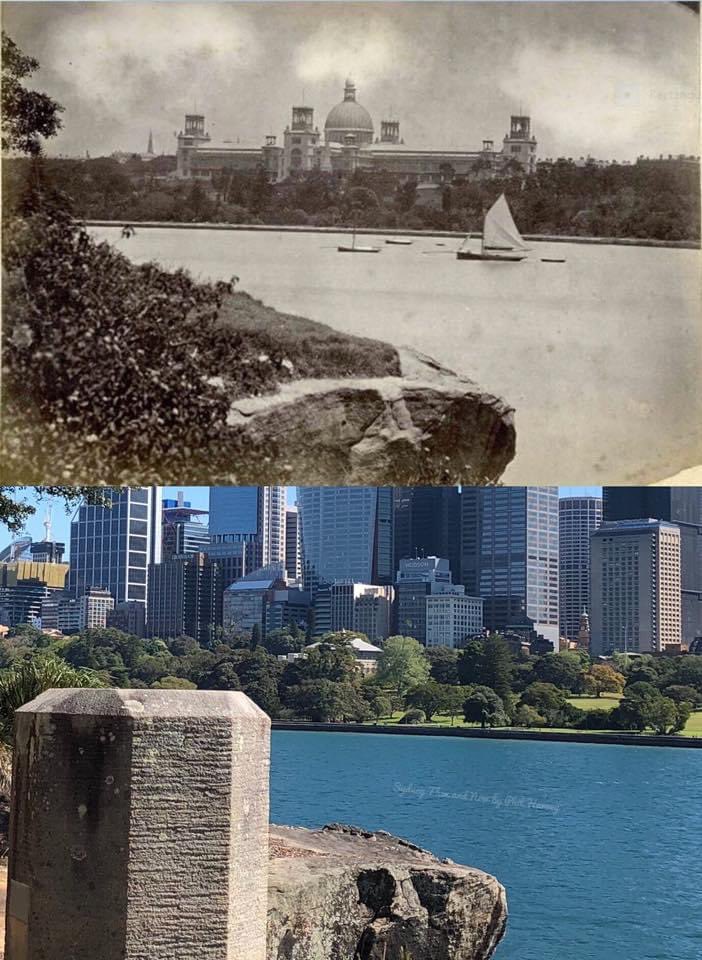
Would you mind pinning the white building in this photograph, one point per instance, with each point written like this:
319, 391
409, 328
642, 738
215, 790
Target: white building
94, 607
347, 605
452, 617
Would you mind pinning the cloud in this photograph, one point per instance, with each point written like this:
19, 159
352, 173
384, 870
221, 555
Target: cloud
122, 53
585, 96
367, 48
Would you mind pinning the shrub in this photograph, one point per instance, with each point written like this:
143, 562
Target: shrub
413, 716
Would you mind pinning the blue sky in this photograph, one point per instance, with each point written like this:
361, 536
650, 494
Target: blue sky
198, 496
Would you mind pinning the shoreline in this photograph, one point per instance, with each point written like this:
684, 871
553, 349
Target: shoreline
496, 733
377, 231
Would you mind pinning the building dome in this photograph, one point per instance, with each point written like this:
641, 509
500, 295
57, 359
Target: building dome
348, 117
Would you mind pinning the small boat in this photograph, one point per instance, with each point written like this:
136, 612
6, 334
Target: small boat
356, 247
501, 239
553, 259
399, 241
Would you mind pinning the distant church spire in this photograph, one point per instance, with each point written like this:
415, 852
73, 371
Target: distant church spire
150, 148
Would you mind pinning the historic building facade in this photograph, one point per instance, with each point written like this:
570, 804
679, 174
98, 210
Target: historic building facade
347, 143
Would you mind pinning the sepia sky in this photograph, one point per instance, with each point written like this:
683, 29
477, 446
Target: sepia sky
614, 80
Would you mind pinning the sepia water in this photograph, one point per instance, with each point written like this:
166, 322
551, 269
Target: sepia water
599, 847
599, 356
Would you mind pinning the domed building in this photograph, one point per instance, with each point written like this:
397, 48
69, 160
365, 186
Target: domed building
349, 144
348, 121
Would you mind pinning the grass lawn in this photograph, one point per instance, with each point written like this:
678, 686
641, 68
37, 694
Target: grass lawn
693, 727
606, 702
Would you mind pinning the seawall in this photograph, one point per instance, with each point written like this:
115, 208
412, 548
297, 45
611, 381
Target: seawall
377, 231
622, 739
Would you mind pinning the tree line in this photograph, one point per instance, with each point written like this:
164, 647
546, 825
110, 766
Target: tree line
486, 683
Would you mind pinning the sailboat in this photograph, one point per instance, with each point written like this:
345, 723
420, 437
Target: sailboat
501, 239
356, 247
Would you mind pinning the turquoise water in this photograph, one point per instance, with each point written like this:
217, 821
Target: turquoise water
599, 847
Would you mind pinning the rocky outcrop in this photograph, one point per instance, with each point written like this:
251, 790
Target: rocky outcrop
427, 426
340, 893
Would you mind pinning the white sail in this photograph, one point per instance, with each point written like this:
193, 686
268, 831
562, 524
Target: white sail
500, 231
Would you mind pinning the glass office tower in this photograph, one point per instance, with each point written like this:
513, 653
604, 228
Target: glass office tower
579, 517
250, 515
519, 557
347, 534
112, 547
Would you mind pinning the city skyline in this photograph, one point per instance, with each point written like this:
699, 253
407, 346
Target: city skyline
197, 496
631, 71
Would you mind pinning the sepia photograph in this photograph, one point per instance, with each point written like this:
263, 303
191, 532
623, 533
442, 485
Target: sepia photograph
351, 243
350, 480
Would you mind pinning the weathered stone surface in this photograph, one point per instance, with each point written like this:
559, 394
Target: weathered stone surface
427, 426
139, 827
342, 894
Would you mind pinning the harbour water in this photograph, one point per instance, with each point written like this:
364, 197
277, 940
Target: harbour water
599, 847
598, 355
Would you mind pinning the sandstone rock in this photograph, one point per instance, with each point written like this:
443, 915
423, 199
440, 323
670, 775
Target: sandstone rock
340, 893
428, 426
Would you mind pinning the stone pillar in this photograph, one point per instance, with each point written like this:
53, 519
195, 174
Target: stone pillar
139, 827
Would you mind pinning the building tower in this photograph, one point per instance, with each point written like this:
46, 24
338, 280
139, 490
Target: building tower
250, 515
679, 505
583, 638
519, 144
300, 140
188, 140
427, 523
346, 534
635, 587
150, 147
293, 544
112, 547
184, 529
349, 119
389, 131
518, 557
579, 517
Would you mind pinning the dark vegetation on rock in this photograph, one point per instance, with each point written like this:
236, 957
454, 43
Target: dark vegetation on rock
111, 369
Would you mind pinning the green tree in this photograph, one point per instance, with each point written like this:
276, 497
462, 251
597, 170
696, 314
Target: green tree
601, 678
173, 683
443, 663
255, 635
488, 663
380, 707
563, 670
485, 707
528, 716
428, 696
402, 664
25, 681
27, 115
681, 693
453, 699
546, 699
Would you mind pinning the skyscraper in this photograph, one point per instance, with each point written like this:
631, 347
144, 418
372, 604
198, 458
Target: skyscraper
579, 517
112, 547
184, 529
428, 524
635, 587
518, 558
680, 505
250, 514
346, 534
418, 578
293, 544
185, 598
